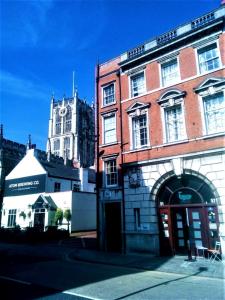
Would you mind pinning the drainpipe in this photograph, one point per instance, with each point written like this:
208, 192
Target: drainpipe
122, 166
97, 154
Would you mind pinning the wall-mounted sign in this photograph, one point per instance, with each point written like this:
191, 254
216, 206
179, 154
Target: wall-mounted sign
25, 185
134, 176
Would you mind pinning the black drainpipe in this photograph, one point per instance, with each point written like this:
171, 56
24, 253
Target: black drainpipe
97, 153
122, 165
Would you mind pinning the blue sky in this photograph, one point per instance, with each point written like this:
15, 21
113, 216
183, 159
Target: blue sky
43, 42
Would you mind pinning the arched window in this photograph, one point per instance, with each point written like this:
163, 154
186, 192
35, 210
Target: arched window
57, 122
188, 189
56, 147
68, 119
67, 147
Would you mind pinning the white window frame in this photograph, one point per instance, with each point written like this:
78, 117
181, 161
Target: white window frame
114, 94
166, 137
167, 101
12, 214
137, 114
204, 118
167, 62
108, 115
105, 172
199, 49
131, 86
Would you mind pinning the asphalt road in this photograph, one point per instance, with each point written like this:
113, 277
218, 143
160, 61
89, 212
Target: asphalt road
31, 277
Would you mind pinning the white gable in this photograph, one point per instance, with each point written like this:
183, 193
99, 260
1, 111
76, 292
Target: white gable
28, 166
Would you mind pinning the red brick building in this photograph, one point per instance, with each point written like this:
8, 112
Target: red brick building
161, 142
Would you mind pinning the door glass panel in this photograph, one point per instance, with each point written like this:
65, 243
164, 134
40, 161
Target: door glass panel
212, 226
196, 224
180, 233
197, 234
166, 233
181, 242
198, 243
195, 215
179, 217
179, 224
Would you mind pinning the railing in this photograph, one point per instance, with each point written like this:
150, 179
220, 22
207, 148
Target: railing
162, 39
202, 20
135, 52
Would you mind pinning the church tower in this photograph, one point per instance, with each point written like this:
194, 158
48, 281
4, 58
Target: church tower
71, 131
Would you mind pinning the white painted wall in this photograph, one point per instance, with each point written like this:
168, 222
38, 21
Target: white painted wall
83, 211
20, 203
28, 166
65, 184
81, 204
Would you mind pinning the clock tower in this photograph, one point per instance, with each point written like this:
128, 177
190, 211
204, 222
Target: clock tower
71, 130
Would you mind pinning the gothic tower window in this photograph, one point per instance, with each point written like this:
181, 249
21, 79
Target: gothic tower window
67, 120
57, 122
67, 147
56, 147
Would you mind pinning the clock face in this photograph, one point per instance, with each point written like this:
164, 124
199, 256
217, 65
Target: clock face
63, 111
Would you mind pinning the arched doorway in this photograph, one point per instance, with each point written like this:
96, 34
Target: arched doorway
188, 215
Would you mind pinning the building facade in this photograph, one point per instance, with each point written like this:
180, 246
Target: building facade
10, 154
161, 146
38, 186
71, 130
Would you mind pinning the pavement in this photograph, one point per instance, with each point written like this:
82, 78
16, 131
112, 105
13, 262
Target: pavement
176, 264
74, 251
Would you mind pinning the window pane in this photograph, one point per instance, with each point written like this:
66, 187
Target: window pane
108, 94
56, 147
110, 129
67, 146
169, 72
214, 107
137, 85
12, 218
111, 172
67, 121
139, 125
57, 122
174, 124
208, 58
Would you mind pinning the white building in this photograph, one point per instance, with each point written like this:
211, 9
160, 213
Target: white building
39, 184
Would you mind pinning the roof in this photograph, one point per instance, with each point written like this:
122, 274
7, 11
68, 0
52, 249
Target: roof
60, 171
43, 200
